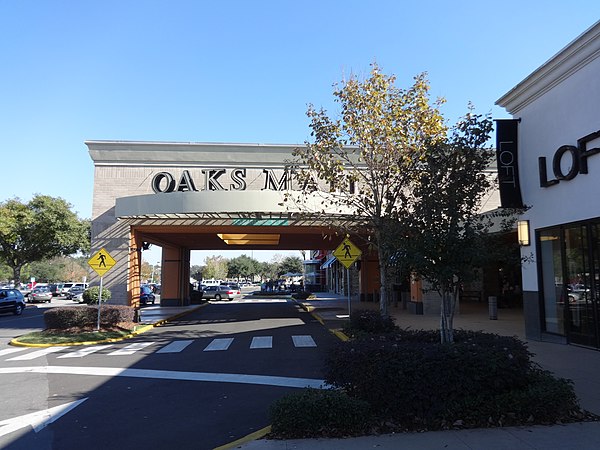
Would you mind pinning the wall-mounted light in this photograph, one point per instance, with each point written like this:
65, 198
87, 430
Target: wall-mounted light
523, 233
145, 246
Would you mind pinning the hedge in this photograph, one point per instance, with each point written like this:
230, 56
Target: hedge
313, 412
412, 379
86, 316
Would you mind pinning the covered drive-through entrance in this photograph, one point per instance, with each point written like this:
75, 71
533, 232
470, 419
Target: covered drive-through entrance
190, 196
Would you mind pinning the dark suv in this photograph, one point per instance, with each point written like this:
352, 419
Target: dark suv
11, 300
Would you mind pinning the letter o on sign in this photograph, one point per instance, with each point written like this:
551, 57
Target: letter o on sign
157, 181
574, 170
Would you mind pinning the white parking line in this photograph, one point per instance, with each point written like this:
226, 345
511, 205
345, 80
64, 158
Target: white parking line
8, 351
218, 344
37, 354
303, 341
80, 353
131, 349
171, 375
262, 342
175, 347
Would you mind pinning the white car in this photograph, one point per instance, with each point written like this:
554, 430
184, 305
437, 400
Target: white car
222, 292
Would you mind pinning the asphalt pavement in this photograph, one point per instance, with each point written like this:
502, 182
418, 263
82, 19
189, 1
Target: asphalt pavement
582, 365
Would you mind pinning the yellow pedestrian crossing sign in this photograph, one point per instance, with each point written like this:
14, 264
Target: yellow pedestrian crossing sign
101, 262
347, 253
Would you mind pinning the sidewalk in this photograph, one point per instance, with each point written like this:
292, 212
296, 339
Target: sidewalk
576, 363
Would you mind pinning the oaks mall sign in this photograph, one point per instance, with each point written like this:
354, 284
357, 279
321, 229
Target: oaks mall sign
220, 180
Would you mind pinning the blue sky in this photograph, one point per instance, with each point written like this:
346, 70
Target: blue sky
238, 71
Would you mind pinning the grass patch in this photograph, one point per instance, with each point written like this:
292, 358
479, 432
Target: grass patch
65, 336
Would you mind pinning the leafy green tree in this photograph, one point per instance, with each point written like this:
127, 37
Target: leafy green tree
60, 268
243, 266
451, 233
215, 267
5, 272
267, 270
364, 163
290, 264
43, 228
196, 272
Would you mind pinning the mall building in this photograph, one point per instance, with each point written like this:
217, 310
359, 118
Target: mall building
206, 196
202, 196
556, 162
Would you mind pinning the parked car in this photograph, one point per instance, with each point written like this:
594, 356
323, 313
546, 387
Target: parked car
146, 295
221, 292
75, 293
56, 288
40, 294
11, 300
67, 286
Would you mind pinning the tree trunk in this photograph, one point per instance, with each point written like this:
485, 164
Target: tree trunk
17, 274
383, 280
449, 296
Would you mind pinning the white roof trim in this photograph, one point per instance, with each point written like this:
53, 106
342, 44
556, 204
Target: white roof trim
576, 55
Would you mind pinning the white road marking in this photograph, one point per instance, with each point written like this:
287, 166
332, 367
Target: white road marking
175, 346
262, 342
8, 351
172, 375
303, 341
131, 349
37, 354
218, 344
39, 419
80, 353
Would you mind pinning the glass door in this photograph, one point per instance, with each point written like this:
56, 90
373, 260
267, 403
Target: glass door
581, 311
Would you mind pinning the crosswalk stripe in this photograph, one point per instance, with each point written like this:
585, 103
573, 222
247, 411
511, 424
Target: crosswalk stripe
262, 342
303, 341
218, 344
175, 347
131, 349
37, 354
80, 353
8, 351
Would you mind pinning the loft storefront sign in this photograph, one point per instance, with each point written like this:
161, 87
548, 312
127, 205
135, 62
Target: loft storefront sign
218, 180
508, 163
577, 156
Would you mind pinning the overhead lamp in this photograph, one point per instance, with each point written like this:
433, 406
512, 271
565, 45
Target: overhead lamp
523, 233
250, 239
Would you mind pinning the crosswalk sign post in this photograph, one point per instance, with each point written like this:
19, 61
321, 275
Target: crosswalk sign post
347, 253
101, 262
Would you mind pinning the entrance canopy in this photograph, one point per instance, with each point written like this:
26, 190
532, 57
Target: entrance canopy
223, 220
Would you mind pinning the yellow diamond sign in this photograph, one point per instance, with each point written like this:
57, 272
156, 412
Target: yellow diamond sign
101, 262
347, 253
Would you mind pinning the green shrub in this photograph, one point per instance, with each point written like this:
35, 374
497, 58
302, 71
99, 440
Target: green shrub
369, 321
543, 400
90, 296
87, 316
315, 412
411, 378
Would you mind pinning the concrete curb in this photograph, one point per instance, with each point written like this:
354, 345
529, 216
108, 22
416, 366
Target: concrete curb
15, 342
259, 434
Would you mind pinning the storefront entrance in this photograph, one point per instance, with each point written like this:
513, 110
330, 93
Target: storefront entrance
570, 272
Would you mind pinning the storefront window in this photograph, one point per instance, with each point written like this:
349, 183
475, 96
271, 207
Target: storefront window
552, 280
570, 269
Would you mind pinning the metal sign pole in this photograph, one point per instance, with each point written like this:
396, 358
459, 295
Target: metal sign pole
99, 304
349, 285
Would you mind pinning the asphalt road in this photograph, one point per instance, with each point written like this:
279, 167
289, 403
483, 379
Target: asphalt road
196, 383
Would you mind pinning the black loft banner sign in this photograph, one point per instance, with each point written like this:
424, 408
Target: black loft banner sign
508, 163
